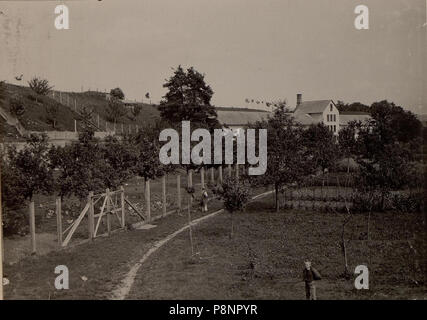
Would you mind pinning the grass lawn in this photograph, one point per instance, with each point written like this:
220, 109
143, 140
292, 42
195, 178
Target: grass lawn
104, 262
264, 260
18, 246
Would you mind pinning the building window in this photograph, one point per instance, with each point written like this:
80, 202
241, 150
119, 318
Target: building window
335, 128
330, 107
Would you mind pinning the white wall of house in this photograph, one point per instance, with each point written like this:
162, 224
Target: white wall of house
331, 118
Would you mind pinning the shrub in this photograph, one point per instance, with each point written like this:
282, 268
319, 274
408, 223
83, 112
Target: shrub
17, 107
408, 203
14, 222
40, 86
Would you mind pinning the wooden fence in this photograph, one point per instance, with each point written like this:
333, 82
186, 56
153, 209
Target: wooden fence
110, 206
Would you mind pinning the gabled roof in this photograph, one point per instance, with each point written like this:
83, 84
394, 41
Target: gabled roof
240, 118
307, 119
315, 106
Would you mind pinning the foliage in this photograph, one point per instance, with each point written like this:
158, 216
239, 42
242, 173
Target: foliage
235, 194
188, 98
85, 116
136, 110
3, 92
52, 110
30, 167
115, 110
287, 158
81, 166
321, 146
40, 86
117, 93
120, 158
408, 203
393, 123
355, 106
17, 107
11, 189
148, 164
385, 149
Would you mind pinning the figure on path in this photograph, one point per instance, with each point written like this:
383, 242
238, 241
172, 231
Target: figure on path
309, 275
204, 200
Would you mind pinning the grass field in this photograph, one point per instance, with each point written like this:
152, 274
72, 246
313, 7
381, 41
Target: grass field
262, 261
46, 225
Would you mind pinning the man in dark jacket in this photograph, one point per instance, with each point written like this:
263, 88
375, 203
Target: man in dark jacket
309, 274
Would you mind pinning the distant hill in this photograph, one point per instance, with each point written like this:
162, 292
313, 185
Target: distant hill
35, 116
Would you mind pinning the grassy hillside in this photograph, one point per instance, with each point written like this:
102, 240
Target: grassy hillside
36, 118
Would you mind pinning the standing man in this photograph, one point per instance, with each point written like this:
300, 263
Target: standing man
204, 200
309, 275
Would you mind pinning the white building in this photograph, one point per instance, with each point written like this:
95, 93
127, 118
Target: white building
317, 111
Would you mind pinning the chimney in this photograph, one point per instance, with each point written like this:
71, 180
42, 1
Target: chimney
299, 99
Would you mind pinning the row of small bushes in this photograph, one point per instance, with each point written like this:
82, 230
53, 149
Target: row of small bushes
396, 202
362, 202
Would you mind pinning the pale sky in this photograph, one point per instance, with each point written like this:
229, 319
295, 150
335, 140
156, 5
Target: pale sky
257, 49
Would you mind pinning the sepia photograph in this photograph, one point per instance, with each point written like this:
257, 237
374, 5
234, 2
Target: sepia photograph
211, 155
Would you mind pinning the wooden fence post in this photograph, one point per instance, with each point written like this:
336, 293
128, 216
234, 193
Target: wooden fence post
202, 177
212, 176
147, 199
237, 171
190, 178
108, 211
122, 204
1, 251
90, 216
59, 220
31, 212
163, 195
220, 174
190, 184
75, 125
178, 190
229, 170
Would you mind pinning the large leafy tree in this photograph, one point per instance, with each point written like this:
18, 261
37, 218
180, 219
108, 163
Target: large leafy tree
287, 158
115, 110
81, 166
120, 157
235, 195
188, 98
393, 123
117, 93
30, 167
321, 145
148, 164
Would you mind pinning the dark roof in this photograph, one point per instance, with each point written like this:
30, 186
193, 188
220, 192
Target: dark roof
346, 118
354, 113
315, 106
240, 118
